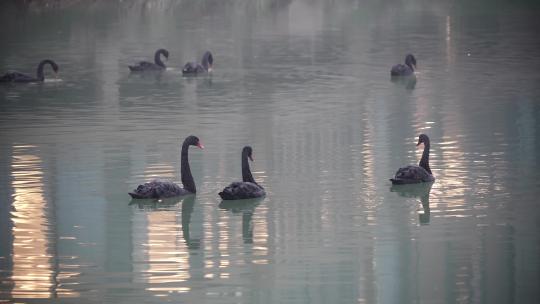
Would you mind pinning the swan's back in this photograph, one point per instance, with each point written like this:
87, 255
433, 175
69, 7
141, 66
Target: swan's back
158, 189
241, 190
401, 70
192, 68
412, 175
17, 77
145, 66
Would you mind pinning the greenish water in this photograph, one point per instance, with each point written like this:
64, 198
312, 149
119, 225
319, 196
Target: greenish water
306, 84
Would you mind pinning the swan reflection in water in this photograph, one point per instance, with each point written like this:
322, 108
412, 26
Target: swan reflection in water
187, 210
421, 191
247, 208
409, 82
152, 204
188, 203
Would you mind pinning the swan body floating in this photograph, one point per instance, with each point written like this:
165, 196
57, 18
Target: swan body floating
164, 189
247, 188
416, 174
406, 69
158, 65
20, 77
193, 68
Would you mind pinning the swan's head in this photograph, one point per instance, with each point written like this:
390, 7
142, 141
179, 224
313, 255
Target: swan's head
410, 61
51, 62
247, 151
164, 52
193, 140
54, 66
423, 139
208, 61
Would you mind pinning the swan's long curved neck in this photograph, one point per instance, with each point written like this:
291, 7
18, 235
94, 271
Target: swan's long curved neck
185, 170
40, 67
157, 58
424, 161
246, 172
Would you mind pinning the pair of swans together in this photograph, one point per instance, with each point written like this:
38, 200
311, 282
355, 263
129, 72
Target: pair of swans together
156, 189
190, 68
248, 187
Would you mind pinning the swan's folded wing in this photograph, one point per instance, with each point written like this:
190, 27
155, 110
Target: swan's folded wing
190, 67
16, 77
157, 189
241, 190
411, 174
144, 66
400, 70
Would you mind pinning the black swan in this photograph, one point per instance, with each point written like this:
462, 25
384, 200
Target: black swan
149, 66
19, 77
248, 188
416, 174
406, 69
193, 68
163, 189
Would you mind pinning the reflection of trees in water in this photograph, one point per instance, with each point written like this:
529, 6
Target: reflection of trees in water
421, 191
247, 208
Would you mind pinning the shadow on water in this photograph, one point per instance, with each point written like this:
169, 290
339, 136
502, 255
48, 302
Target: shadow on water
421, 191
247, 208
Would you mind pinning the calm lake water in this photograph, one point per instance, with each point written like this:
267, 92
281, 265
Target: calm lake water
306, 84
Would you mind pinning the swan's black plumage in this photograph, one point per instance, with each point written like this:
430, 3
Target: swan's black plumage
406, 69
193, 68
158, 65
164, 189
247, 188
20, 77
416, 174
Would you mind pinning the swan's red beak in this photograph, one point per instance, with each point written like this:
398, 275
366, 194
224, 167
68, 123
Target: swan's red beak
200, 145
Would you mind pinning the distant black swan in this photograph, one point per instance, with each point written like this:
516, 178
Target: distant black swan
164, 189
193, 68
248, 188
19, 77
406, 69
416, 174
149, 66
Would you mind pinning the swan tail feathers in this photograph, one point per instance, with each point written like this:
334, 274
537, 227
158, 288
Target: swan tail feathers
135, 195
242, 190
